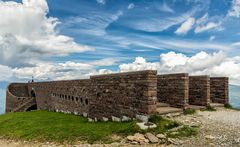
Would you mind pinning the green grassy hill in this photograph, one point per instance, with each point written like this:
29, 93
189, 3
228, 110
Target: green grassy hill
58, 127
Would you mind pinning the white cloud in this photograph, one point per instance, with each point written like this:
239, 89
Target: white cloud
6, 73
139, 64
152, 24
208, 26
202, 63
131, 6
186, 26
211, 38
235, 9
93, 24
103, 2
32, 35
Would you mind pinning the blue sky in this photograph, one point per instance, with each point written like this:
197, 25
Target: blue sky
72, 39
64, 39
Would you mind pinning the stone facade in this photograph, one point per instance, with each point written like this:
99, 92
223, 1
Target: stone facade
117, 96
173, 89
123, 94
199, 90
219, 90
66, 96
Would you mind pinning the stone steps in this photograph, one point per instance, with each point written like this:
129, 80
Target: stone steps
162, 104
216, 105
164, 108
168, 110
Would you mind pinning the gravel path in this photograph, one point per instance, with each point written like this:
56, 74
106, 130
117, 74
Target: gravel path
218, 128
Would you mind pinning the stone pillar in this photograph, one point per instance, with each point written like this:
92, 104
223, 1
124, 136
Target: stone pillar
219, 90
123, 95
173, 89
199, 90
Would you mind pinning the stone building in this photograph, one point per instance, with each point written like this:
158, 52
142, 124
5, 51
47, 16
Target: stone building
119, 96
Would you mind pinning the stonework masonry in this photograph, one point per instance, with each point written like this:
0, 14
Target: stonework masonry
124, 94
119, 96
173, 89
199, 90
219, 90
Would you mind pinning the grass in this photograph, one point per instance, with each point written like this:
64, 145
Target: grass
58, 127
189, 111
166, 126
184, 131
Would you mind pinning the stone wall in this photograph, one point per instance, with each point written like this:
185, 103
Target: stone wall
199, 90
123, 94
17, 95
173, 89
70, 96
219, 90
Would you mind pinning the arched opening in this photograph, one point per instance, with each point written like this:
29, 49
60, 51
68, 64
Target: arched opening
33, 95
33, 107
33, 101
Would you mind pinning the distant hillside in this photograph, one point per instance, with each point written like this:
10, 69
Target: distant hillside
234, 93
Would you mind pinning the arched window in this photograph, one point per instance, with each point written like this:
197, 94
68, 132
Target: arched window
81, 100
86, 101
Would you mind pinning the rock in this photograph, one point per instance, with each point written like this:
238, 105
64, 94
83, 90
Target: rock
90, 120
145, 126
137, 137
151, 138
130, 138
125, 118
209, 137
134, 142
142, 118
105, 119
161, 136
116, 119
176, 142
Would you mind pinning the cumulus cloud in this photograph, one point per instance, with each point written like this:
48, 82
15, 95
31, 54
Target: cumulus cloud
60, 71
235, 10
32, 35
202, 63
139, 64
185, 26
